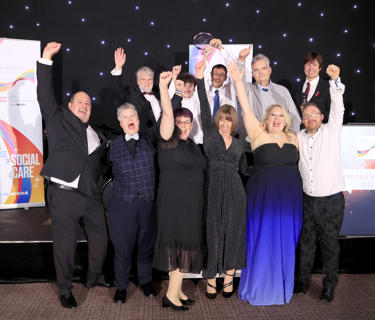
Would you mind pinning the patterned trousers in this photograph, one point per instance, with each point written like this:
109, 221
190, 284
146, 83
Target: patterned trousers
322, 217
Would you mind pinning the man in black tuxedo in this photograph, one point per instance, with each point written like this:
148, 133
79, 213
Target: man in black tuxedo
142, 97
75, 159
314, 89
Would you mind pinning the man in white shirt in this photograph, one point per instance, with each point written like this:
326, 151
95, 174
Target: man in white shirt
323, 185
142, 97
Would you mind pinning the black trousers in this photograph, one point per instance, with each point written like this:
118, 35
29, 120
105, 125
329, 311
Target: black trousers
322, 217
66, 208
132, 226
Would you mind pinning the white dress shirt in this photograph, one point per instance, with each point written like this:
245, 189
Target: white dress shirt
313, 85
320, 155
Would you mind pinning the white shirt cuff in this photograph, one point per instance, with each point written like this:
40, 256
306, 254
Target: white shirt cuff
45, 61
116, 72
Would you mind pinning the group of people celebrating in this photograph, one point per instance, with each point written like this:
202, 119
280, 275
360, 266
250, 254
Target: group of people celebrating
178, 168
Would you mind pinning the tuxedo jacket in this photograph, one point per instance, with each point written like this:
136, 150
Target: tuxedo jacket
134, 96
67, 141
321, 97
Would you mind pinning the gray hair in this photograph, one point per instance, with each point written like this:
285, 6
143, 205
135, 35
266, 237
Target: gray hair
145, 70
124, 107
260, 56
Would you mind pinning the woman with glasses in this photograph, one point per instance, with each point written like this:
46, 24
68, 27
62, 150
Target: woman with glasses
180, 200
274, 204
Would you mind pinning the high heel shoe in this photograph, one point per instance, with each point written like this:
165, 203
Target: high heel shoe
228, 294
211, 295
187, 302
168, 303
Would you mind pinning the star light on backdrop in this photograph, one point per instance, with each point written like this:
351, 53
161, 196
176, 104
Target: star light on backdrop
337, 35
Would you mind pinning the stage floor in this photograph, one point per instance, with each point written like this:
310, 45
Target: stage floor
354, 300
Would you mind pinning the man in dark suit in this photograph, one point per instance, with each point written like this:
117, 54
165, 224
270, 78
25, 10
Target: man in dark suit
75, 160
314, 89
142, 97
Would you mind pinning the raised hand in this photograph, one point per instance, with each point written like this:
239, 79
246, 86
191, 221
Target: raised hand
120, 58
333, 71
199, 69
176, 71
216, 43
51, 49
244, 53
234, 72
164, 79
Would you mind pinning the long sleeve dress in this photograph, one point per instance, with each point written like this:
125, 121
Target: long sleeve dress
226, 198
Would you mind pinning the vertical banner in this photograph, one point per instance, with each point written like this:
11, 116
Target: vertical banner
21, 142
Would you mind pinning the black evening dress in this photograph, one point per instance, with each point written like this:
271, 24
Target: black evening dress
180, 206
226, 197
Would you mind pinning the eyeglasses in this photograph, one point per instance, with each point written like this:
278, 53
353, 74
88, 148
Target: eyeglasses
180, 123
312, 115
221, 75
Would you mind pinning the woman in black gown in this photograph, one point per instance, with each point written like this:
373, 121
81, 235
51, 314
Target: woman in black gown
180, 200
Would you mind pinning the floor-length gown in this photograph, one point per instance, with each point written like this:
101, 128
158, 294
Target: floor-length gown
274, 218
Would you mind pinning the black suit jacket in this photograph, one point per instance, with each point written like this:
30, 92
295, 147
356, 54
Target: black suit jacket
321, 97
67, 141
134, 96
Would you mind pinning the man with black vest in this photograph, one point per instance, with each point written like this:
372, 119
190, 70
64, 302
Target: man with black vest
131, 211
76, 154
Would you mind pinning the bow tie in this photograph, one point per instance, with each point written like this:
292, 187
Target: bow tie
150, 93
265, 89
129, 137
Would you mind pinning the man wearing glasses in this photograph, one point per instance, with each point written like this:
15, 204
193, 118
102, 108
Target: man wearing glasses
323, 185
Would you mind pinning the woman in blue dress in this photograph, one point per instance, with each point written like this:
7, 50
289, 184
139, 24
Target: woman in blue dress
274, 204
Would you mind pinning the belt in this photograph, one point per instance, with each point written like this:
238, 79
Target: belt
64, 187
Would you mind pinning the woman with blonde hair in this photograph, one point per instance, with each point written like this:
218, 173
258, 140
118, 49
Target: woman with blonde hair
274, 204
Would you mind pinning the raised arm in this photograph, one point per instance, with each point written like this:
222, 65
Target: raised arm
167, 118
46, 96
337, 89
250, 121
116, 79
207, 122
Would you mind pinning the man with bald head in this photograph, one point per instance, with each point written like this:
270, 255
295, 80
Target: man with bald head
323, 185
76, 154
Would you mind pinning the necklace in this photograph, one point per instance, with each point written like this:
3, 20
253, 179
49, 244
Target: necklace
273, 136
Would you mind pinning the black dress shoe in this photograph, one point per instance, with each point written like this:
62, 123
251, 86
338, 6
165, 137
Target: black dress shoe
99, 283
168, 303
68, 301
187, 302
300, 288
148, 290
120, 296
327, 294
